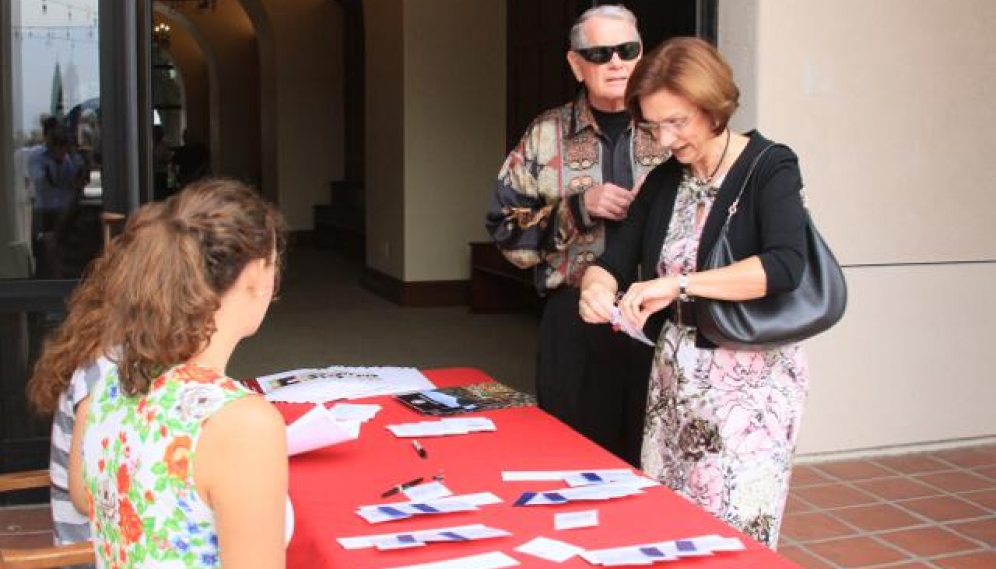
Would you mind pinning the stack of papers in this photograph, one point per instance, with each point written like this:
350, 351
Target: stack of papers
592, 492
318, 428
378, 513
319, 385
591, 478
650, 553
579, 477
443, 427
420, 538
582, 485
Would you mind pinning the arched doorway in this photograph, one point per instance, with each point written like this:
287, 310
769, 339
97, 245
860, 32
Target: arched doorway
215, 55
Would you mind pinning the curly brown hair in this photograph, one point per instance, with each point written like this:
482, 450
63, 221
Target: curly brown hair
153, 292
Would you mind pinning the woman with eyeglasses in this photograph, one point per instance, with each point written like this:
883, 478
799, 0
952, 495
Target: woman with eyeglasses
560, 197
721, 423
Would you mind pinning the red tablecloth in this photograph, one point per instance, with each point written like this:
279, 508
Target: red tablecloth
326, 487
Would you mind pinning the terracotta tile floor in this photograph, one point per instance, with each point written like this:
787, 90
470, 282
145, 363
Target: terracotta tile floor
931, 510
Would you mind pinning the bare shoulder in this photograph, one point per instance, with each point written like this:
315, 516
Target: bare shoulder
246, 435
251, 414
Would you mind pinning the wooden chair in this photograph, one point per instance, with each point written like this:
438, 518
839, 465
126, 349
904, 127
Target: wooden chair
40, 557
107, 220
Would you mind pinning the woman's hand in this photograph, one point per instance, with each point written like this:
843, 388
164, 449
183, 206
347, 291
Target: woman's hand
596, 303
647, 297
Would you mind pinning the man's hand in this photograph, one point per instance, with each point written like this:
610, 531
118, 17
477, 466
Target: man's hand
609, 201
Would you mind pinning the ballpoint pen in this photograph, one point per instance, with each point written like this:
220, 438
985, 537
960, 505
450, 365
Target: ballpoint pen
401, 487
418, 448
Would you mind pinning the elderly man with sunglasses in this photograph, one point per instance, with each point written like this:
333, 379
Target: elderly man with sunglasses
560, 196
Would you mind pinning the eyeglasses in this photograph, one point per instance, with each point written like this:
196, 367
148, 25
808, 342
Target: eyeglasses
603, 53
667, 126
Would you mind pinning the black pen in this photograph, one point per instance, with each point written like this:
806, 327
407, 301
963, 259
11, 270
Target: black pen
402, 487
418, 448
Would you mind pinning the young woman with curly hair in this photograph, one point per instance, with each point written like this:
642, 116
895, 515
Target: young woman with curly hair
175, 463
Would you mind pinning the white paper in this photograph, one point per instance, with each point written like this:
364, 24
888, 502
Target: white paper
317, 429
631, 330
574, 520
592, 478
270, 383
493, 560
396, 542
471, 423
564, 495
717, 543
631, 555
619, 556
471, 532
354, 411
671, 548
467, 533
443, 427
320, 385
669, 551
374, 514
541, 499
427, 491
539, 475
602, 491
549, 549
478, 499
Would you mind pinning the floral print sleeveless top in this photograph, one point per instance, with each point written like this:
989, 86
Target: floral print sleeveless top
138, 457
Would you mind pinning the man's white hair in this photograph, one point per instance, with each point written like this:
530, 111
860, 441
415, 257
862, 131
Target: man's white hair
610, 11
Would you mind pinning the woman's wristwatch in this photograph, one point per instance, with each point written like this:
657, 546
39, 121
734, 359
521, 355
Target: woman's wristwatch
683, 288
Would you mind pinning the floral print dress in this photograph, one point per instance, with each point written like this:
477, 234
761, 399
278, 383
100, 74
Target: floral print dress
138, 456
721, 424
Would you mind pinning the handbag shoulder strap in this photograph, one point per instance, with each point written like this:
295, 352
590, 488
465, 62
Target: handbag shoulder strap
743, 186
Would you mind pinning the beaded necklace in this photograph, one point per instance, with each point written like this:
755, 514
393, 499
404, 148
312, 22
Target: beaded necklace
703, 190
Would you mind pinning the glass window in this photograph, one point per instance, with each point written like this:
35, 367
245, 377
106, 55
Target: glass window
53, 196
50, 193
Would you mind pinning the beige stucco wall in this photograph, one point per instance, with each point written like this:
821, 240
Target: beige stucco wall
435, 116
888, 104
385, 145
307, 94
454, 125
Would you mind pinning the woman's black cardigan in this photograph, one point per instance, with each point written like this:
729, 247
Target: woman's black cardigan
770, 222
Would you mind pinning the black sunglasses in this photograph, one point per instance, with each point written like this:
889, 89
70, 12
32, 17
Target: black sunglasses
603, 53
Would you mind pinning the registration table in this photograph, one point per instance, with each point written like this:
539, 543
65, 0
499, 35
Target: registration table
328, 485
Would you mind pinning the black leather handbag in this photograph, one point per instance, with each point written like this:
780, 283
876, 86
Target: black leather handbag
777, 319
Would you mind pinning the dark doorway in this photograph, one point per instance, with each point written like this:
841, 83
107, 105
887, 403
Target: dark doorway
341, 224
537, 75
354, 65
